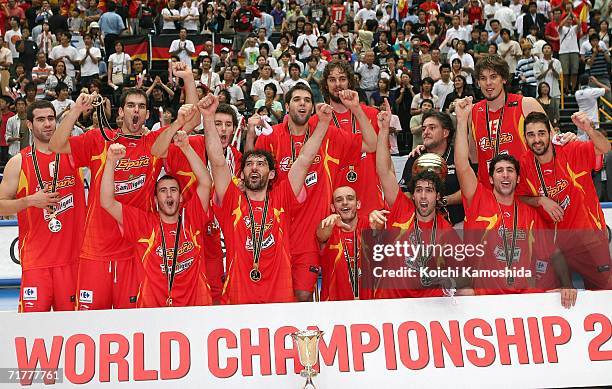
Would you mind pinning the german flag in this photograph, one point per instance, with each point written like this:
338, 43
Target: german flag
161, 45
136, 46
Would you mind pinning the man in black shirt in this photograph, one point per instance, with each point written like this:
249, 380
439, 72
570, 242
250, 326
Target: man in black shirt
437, 134
27, 50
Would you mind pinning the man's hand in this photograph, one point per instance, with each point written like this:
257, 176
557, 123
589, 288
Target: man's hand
43, 199
85, 102
568, 296
350, 99
582, 121
335, 219
463, 108
554, 210
116, 151
181, 70
208, 105
420, 149
186, 114
181, 140
564, 138
324, 112
378, 219
384, 117
254, 121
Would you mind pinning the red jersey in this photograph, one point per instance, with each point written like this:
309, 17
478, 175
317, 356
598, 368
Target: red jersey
361, 174
511, 137
474, 14
338, 13
336, 283
432, 9
135, 178
485, 220
5, 118
402, 217
336, 148
36, 240
144, 230
568, 181
552, 29
275, 284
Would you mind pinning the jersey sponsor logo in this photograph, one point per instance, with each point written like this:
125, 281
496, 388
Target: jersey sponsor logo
30, 293
285, 164
65, 182
541, 266
180, 266
520, 234
554, 190
500, 255
185, 248
66, 203
267, 243
131, 185
311, 179
565, 203
128, 164
86, 296
486, 144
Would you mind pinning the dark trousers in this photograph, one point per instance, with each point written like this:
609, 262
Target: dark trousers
109, 44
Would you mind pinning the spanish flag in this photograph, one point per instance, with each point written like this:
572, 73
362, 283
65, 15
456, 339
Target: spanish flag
581, 10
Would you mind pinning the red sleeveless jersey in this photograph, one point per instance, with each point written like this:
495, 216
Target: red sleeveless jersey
36, 240
511, 137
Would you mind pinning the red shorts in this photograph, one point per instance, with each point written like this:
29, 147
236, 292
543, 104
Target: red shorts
305, 271
107, 284
213, 261
590, 259
46, 288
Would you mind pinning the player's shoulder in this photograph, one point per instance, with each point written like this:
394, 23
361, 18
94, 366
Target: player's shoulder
369, 110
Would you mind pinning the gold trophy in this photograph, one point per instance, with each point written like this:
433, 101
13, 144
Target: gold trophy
432, 162
307, 343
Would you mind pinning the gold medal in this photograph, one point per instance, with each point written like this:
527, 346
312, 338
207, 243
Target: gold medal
55, 225
351, 176
255, 275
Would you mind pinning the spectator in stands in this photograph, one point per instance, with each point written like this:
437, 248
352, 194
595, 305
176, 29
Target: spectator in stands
190, 16
426, 88
171, 18
183, 48
495, 33
467, 62
243, 18
462, 90
61, 103
444, 86
262, 40
17, 132
533, 18
279, 15
111, 25
89, 57
58, 75
66, 53
382, 93
604, 32
265, 21
27, 50
265, 78
168, 116
209, 48
19, 80
6, 113
263, 52
12, 36
306, 42
212, 21
416, 122
119, 67
456, 70
95, 86
40, 73
139, 77
294, 78
482, 47
30, 93
549, 104
370, 73
587, 97
597, 60
525, 72
506, 16
549, 70
209, 78
274, 107
46, 40
92, 13
235, 91
250, 51
569, 32
510, 51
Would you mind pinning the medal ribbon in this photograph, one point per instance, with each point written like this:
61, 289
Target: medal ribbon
41, 183
104, 123
293, 153
353, 264
172, 273
543, 183
510, 256
257, 240
499, 127
432, 239
353, 122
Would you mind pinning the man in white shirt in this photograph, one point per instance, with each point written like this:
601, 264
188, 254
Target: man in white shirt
235, 91
17, 133
432, 68
489, 11
467, 61
209, 78
265, 78
183, 48
506, 16
306, 42
62, 103
365, 14
170, 15
549, 70
89, 57
294, 74
569, 52
191, 16
370, 74
13, 35
456, 31
509, 50
587, 96
66, 52
332, 38
444, 86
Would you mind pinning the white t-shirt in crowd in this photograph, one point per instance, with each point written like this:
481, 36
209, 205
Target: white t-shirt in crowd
442, 89
304, 39
569, 40
258, 88
60, 106
88, 68
119, 62
211, 80
467, 61
586, 97
11, 37
169, 24
70, 52
193, 11
183, 55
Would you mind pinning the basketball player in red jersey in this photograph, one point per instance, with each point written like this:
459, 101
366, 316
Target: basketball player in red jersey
339, 234
226, 123
285, 143
339, 89
255, 222
558, 179
497, 121
46, 192
168, 241
509, 225
108, 269
417, 217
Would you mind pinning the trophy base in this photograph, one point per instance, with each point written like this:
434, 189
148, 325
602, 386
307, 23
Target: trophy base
309, 384
308, 373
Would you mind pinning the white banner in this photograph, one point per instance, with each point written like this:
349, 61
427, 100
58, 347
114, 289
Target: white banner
9, 270
473, 342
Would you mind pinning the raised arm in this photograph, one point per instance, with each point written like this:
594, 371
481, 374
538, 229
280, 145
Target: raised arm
184, 116
115, 152
299, 169
350, 99
181, 70
221, 173
467, 178
600, 141
181, 140
59, 141
384, 166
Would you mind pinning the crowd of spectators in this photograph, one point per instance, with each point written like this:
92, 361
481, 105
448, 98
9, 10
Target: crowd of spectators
420, 58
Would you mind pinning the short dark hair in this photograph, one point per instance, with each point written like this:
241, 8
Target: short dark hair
426, 175
428, 80
537, 117
444, 119
298, 86
430, 101
60, 87
593, 37
505, 31
294, 66
131, 92
258, 153
494, 63
38, 104
504, 157
227, 109
271, 86
166, 177
445, 66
